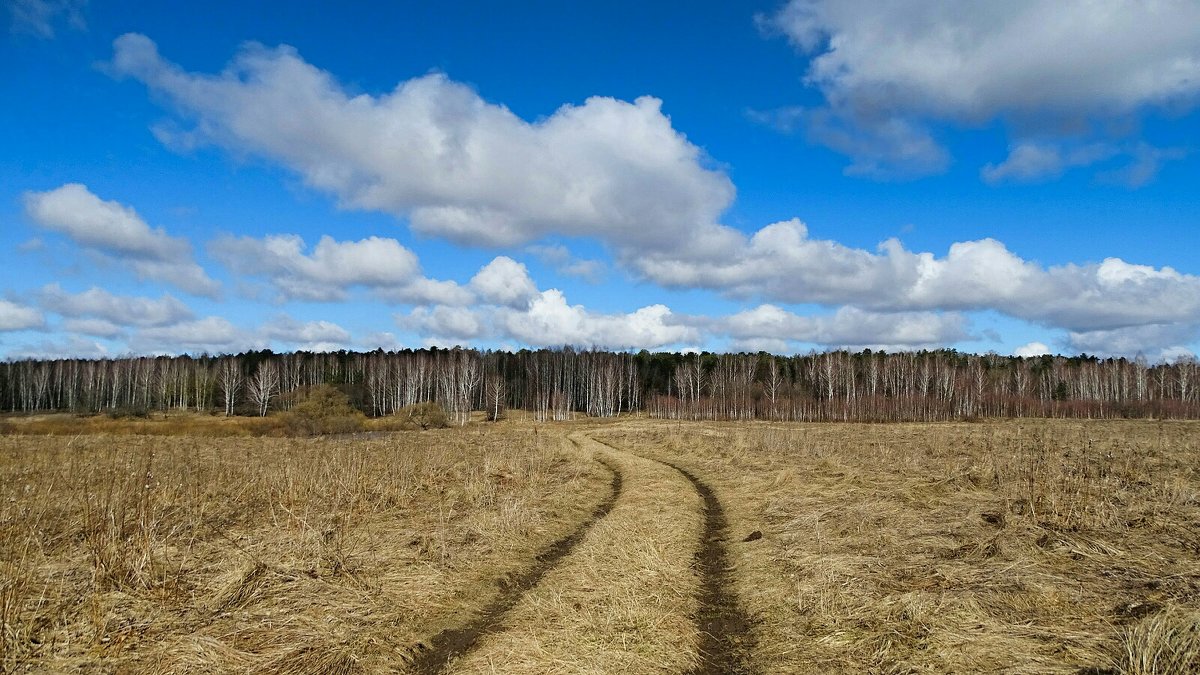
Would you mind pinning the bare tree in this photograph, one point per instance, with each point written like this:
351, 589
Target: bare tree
495, 393
264, 385
229, 376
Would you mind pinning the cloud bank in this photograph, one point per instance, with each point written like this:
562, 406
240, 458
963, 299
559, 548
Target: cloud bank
891, 71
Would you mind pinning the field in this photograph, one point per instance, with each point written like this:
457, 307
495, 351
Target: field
629, 546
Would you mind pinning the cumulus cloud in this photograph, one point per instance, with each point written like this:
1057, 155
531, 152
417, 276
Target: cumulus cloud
547, 320
380, 340
1031, 349
447, 323
783, 263
1156, 341
315, 336
910, 63
215, 334
434, 152
504, 281
327, 272
550, 321
94, 327
19, 317
117, 310
424, 291
211, 334
117, 231
70, 347
849, 327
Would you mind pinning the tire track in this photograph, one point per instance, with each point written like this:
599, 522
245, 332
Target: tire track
432, 656
726, 639
725, 631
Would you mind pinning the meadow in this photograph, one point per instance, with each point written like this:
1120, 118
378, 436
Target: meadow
633, 545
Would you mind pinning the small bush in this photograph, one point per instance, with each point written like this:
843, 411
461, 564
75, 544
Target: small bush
427, 415
325, 410
129, 413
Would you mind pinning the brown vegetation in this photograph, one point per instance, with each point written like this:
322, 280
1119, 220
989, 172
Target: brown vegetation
1038, 546
1008, 546
621, 603
266, 555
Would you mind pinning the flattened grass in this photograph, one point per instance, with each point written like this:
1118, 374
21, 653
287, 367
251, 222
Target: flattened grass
621, 602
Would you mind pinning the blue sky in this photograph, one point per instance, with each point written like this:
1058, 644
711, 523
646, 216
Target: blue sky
1018, 178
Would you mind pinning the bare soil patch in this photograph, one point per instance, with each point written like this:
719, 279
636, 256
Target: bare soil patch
726, 637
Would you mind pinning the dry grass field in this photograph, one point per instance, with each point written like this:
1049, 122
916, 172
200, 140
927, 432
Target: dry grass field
1032, 546
153, 554
1028, 546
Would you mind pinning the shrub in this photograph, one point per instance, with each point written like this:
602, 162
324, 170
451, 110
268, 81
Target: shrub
127, 413
325, 410
427, 415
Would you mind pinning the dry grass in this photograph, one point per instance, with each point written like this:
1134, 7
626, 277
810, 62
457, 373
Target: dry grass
620, 603
1031, 546
1034, 546
151, 554
200, 425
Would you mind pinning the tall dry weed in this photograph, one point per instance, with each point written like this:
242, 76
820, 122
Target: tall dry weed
237, 551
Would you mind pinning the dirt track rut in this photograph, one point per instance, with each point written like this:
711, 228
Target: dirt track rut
432, 658
725, 637
725, 631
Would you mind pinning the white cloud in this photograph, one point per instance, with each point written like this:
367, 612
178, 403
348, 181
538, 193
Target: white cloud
94, 327
19, 317
211, 334
1031, 349
1030, 161
769, 345
116, 230
70, 347
781, 262
423, 291
327, 272
447, 323
910, 62
308, 335
454, 165
1156, 341
114, 309
558, 256
882, 148
380, 340
848, 327
550, 321
504, 281
1177, 354
432, 151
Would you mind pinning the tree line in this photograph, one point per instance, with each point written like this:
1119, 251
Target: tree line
559, 384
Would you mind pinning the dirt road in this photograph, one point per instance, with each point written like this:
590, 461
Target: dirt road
641, 586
